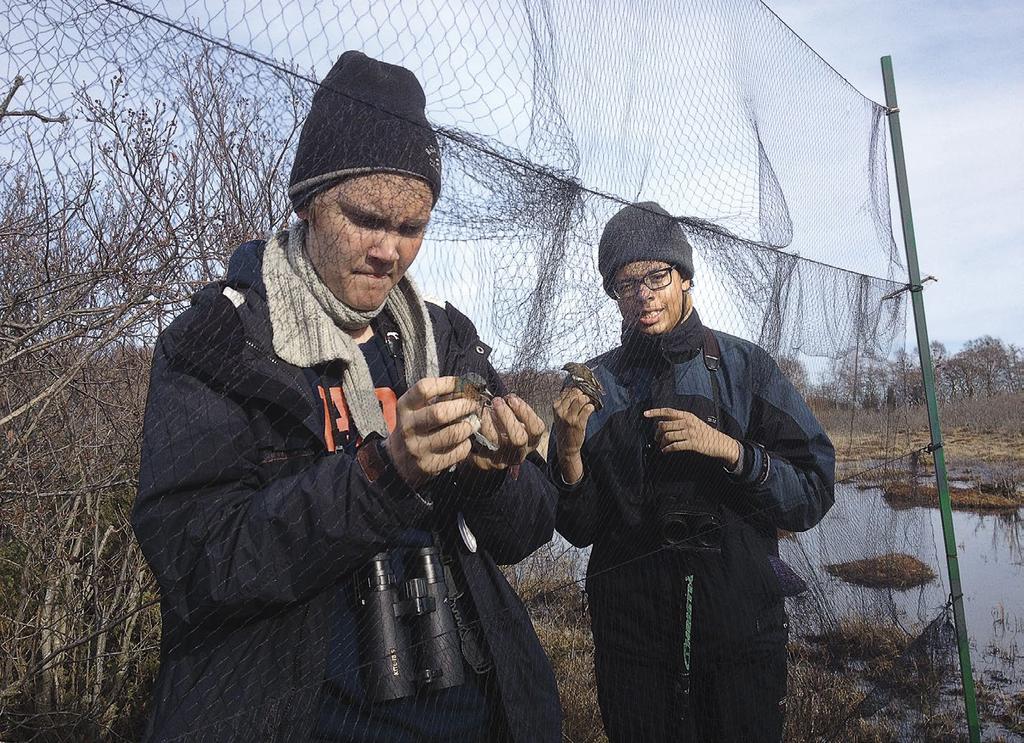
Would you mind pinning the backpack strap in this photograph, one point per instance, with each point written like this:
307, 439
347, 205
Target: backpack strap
712, 354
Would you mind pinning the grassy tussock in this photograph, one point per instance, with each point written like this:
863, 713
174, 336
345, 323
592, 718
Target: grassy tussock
910, 494
893, 570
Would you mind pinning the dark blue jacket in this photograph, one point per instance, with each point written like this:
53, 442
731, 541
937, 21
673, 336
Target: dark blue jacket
249, 525
634, 586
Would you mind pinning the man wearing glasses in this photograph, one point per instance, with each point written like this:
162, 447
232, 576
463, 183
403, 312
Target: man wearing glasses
680, 474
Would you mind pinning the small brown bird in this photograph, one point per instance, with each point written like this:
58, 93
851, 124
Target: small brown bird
583, 379
471, 385
474, 387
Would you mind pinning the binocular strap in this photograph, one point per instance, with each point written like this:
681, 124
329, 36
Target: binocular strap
471, 637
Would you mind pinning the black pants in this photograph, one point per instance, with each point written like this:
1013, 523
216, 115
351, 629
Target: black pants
740, 698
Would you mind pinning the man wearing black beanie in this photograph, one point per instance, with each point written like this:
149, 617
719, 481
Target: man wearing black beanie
699, 451
331, 470
367, 117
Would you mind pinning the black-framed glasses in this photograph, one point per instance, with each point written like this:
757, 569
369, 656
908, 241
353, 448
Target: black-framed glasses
653, 280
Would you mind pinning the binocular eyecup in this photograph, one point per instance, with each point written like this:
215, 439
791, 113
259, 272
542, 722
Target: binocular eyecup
689, 530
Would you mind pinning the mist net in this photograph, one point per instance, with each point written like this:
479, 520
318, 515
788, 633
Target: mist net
142, 144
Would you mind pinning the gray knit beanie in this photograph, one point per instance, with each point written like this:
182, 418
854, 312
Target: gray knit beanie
642, 232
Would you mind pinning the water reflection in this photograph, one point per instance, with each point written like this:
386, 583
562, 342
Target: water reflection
991, 558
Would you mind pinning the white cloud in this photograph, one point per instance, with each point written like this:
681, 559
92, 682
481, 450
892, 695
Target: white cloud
960, 82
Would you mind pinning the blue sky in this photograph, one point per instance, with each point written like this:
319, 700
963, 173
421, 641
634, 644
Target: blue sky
959, 71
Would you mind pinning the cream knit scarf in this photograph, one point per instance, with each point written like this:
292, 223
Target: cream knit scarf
309, 326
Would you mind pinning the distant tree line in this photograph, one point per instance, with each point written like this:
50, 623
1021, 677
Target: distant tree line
984, 367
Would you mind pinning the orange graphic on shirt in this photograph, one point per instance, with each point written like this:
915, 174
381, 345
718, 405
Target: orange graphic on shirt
338, 423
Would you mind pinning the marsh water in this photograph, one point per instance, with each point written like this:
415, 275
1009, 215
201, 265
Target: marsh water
990, 550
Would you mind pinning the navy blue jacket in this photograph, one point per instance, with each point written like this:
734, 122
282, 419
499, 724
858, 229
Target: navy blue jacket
634, 586
249, 524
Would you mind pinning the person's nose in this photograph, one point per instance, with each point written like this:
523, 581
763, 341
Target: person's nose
384, 248
644, 293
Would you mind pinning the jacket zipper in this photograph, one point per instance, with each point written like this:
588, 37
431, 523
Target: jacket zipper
262, 351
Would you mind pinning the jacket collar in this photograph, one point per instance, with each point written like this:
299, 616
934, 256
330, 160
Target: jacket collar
231, 348
245, 274
676, 346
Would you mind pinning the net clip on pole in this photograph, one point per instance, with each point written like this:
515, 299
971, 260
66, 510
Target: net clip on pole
889, 111
909, 288
932, 448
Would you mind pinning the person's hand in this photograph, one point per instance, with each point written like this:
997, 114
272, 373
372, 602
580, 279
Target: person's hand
514, 427
678, 430
430, 436
572, 411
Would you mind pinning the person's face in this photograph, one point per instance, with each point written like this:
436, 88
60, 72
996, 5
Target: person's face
651, 311
365, 232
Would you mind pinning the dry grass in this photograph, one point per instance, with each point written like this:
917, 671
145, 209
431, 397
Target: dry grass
989, 430
571, 650
910, 494
821, 702
963, 446
876, 647
1013, 714
1000, 707
548, 584
860, 639
940, 727
893, 570
904, 674
1009, 712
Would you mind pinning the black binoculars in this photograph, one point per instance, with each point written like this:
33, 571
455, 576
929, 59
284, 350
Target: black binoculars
407, 633
691, 530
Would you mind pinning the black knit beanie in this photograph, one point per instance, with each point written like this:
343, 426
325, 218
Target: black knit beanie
642, 232
367, 116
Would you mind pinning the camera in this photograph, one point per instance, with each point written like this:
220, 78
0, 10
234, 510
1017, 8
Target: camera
407, 631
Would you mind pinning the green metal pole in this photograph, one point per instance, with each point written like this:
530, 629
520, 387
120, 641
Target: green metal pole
928, 376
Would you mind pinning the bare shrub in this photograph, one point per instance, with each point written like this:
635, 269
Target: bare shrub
105, 231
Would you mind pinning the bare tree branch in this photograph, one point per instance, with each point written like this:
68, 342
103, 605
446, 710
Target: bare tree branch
41, 666
18, 82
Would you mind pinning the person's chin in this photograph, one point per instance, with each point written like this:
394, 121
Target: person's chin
655, 329
370, 292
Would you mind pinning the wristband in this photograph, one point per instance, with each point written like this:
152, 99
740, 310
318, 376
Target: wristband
379, 469
766, 466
